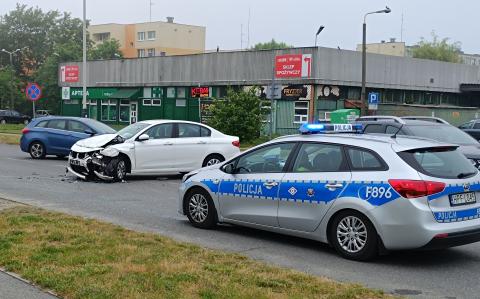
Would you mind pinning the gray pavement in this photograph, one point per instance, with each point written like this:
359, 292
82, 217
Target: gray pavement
149, 204
12, 288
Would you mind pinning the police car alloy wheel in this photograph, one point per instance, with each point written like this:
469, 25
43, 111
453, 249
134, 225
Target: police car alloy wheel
200, 209
353, 236
37, 150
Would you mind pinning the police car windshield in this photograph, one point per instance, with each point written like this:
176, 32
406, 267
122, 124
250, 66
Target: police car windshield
446, 133
439, 162
132, 130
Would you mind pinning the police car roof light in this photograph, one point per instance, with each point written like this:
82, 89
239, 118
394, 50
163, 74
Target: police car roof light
330, 128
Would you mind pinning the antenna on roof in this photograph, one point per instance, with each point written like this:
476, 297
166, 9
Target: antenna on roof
394, 136
151, 4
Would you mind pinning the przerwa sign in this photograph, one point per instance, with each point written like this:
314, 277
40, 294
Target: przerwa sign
293, 66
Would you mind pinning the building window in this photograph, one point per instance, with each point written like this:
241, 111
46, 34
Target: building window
109, 110
151, 52
181, 103
141, 52
125, 111
181, 93
163, 54
101, 37
141, 36
301, 112
151, 35
171, 92
152, 102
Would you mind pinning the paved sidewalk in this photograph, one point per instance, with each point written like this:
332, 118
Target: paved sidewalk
12, 288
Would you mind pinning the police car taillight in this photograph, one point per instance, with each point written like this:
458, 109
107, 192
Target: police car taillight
415, 189
236, 143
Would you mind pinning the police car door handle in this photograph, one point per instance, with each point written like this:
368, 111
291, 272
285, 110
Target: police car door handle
168, 143
270, 185
333, 187
202, 142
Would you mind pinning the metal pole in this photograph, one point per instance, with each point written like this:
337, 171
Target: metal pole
363, 107
84, 69
316, 37
272, 92
11, 81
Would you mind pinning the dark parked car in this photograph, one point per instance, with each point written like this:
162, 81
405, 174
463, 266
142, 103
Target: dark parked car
55, 135
472, 128
13, 117
427, 127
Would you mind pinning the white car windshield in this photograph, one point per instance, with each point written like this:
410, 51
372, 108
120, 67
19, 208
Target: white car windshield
132, 130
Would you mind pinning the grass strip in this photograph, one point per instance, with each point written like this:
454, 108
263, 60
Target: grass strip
11, 128
9, 138
83, 258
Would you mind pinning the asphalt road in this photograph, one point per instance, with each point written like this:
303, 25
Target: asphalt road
149, 204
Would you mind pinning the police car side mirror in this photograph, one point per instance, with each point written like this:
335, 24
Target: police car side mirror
228, 168
143, 137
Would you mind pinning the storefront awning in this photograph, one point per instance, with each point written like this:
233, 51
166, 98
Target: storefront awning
126, 93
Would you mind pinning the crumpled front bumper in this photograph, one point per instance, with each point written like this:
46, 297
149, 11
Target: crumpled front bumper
84, 164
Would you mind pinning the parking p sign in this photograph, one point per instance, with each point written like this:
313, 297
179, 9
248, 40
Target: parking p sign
373, 100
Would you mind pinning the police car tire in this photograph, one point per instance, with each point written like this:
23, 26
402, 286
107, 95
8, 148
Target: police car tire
369, 251
211, 220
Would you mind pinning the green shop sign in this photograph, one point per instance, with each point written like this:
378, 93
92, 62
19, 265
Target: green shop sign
92, 93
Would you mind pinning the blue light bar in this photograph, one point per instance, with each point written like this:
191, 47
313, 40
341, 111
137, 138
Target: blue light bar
330, 128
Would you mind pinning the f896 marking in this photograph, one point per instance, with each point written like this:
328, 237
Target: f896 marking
378, 192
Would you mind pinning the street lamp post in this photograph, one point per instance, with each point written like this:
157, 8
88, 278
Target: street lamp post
84, 69
320, 29
364, 105
12, 102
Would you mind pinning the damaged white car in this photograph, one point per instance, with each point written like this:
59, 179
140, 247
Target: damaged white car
152, 147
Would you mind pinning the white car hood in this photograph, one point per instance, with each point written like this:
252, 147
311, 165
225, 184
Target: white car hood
93, 143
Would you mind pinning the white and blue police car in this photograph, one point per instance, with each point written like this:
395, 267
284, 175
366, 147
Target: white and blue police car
360, 193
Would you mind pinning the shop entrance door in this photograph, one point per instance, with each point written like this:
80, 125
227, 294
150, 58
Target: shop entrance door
133, 112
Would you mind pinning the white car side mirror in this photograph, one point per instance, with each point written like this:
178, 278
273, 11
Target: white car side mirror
143, 137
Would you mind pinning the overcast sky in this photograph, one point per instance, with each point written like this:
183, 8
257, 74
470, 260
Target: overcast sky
294, 21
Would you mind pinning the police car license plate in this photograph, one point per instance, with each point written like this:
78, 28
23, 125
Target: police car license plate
462, 199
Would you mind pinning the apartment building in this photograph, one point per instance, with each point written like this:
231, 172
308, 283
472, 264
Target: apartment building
152, 38
392, 48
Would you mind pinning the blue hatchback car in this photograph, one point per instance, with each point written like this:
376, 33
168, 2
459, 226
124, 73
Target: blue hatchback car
55, 135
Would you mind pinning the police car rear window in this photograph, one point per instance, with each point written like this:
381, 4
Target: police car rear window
365, 160
439, 162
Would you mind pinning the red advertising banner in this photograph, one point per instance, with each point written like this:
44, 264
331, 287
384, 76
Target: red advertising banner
70, 73
293, 66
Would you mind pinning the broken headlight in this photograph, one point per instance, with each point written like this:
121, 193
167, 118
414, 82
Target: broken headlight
109, 152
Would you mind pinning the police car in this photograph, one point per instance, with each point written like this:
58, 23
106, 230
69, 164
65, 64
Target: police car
362, 194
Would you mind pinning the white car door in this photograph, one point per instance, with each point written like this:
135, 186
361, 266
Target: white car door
190, 147
157, 154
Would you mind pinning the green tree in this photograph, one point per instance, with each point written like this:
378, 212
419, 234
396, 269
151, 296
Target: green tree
47, 38
9, 87
109, 49
271, 45
437, 49
239, 114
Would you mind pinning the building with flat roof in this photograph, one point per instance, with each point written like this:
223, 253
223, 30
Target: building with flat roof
152, 38
311, 83
391, 47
